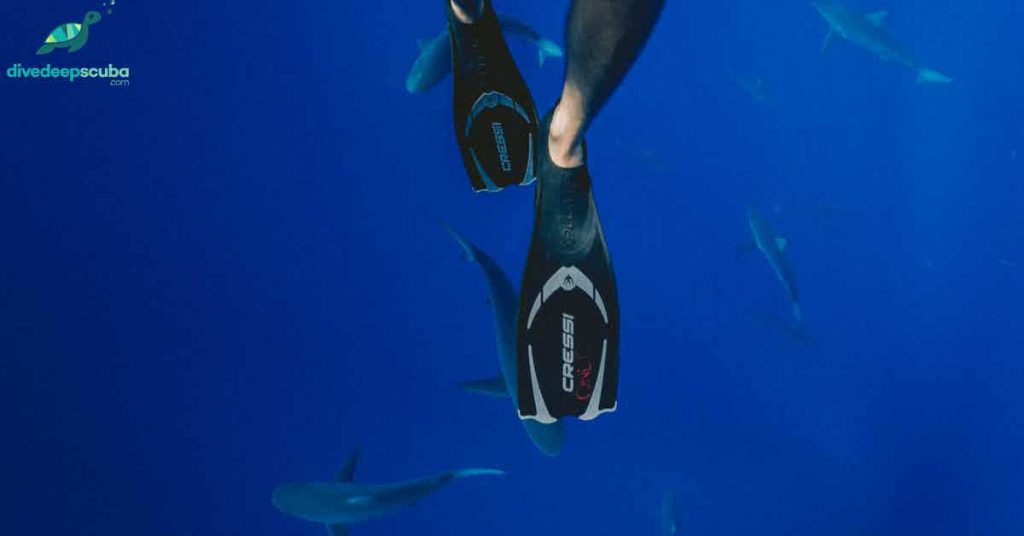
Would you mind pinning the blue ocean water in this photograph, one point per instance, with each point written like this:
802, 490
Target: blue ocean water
227, 276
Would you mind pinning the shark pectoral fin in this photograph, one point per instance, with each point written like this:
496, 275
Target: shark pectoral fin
929, 76
877, 18
548, 49
348, 471
337, 530
827, 42
490, 387
466, 473
781, 243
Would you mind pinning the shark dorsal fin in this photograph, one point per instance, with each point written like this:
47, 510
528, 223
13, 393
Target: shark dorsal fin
877, 18
781, 243
348, 472
490, 386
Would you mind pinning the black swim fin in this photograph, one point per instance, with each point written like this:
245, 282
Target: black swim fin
568, 333
495, 118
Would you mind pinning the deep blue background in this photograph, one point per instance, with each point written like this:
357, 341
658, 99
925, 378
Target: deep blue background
226, 276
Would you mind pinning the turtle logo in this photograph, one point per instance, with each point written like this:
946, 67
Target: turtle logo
71, 35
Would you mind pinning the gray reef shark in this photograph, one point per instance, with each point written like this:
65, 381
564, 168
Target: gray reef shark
867, 31
504, 299
773, 247
341, 502
435, 59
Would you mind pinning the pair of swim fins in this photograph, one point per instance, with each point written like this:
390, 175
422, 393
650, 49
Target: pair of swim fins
568, 321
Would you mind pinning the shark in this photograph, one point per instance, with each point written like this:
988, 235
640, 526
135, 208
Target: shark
756, 89
669, 519
435, 60
867, 30
504, 300
341, 502
773, 247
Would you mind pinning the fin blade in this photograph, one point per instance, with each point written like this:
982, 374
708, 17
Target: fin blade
877, 18
348, 471
490, 386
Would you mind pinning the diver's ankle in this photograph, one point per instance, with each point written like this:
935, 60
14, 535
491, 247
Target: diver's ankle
467, 11
565, 137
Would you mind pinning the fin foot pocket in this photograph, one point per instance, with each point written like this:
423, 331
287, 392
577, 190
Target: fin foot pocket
568, 335
495, 118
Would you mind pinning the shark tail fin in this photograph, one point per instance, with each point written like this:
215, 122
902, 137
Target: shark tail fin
929, 76
490, 387
548, 49
467, 248
466, 473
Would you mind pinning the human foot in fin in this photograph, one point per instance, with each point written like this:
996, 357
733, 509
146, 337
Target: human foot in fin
495, 118
568, 339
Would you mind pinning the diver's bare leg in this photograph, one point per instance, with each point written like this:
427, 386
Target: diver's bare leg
467, 11
602, 39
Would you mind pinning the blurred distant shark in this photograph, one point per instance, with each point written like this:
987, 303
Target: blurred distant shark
504, 299
341, 502
669, 520
773, 247
867, 31
435, 60
756, 89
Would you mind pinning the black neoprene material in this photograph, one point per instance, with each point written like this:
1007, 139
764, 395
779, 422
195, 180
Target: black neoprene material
495, 117
568, 324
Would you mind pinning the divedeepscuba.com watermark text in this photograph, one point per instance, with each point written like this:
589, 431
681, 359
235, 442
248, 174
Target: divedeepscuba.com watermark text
117, 76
